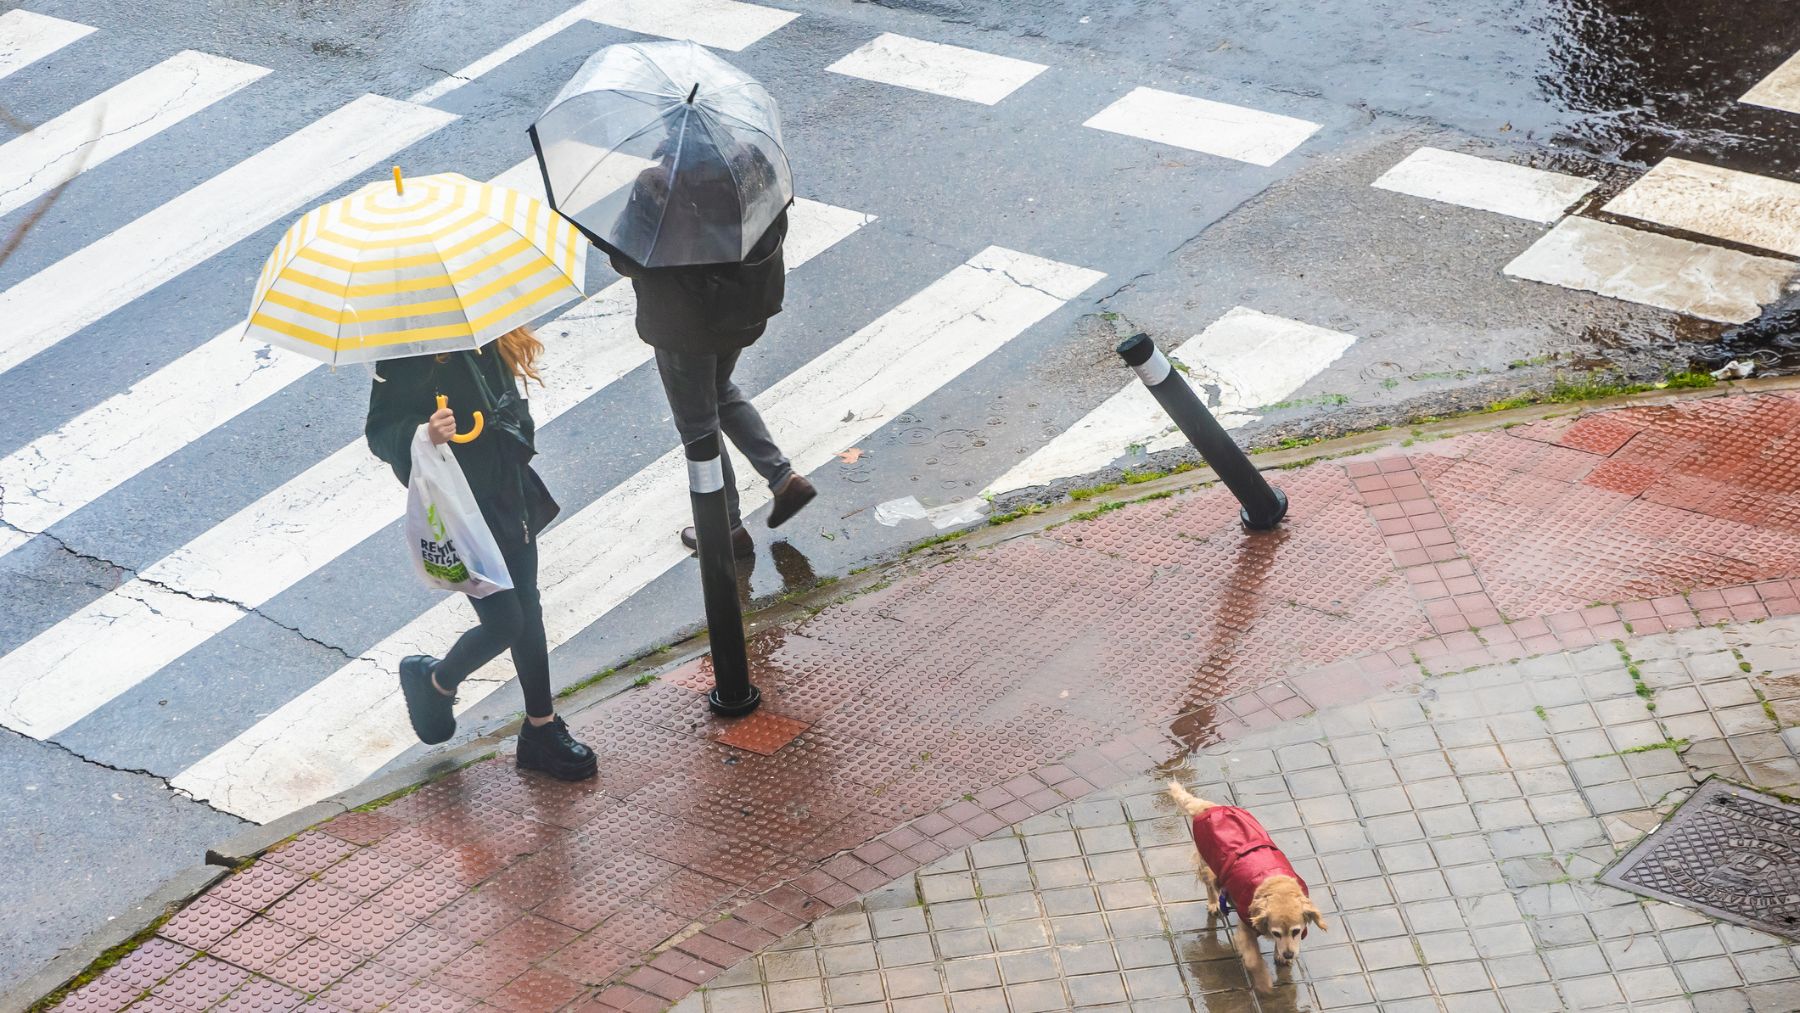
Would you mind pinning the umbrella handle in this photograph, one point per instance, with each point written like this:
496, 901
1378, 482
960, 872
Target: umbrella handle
444, 402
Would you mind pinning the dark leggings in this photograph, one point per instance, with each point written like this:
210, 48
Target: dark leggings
509, 619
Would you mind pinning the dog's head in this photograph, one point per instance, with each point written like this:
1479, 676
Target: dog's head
1283, 912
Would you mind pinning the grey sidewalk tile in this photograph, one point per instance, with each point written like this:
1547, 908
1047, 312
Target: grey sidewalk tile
1413, 856
1377, 924
790, 964
987, 1000
1490, 787
959, 914
1325, 809
1649, 983
1340, 993
852, 958
1448, 821
969, 973
1037, 997
1356, 748
1507, 940
1634, 952
1473, 1002
1329, 961
997, 851
1708, 973
964, 942
1592, 993
1767, 965
1397, 828
1051, 846
1422, 765
1444, 947
1564, 930
849, 989
737, 1000
1381, 954
1159, 982
1399, 983
1521, 969
1025, 935
1464, 976
1434, 916
1096, 989
795, 995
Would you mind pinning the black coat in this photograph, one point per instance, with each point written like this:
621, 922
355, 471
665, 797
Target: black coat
710, 309
497, 463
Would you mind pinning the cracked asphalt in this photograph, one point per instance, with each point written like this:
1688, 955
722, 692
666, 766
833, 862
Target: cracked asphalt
1596, 88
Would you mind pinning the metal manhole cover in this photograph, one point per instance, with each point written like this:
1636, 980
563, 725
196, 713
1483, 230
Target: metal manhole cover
1728, 851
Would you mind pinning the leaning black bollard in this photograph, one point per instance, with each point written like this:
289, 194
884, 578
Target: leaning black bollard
1263, 505
732, 693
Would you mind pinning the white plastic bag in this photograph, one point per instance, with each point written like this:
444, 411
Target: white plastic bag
449, 541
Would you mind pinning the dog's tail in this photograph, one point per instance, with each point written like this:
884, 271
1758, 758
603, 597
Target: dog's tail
1188, 802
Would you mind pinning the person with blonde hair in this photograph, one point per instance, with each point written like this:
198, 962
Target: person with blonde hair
516, 506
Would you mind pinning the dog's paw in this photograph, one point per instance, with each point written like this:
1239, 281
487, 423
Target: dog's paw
1212, 910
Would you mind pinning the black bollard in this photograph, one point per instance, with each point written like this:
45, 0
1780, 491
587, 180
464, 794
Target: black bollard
732, 693
1263, 505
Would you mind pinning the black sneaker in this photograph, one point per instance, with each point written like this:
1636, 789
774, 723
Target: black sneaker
433, 714
551, 749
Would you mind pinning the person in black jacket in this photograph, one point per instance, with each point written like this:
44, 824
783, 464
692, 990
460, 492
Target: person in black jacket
516, 506
700, 319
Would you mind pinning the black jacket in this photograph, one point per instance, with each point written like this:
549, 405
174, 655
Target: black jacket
710, 309
497, 463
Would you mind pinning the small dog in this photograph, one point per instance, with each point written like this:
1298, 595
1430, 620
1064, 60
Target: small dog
1236, 855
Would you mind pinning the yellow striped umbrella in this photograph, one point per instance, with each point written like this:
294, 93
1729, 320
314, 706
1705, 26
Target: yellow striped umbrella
413, 267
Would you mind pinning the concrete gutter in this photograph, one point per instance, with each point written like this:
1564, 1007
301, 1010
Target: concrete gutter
253, 841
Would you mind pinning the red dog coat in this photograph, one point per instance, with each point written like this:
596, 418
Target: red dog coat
1240, 854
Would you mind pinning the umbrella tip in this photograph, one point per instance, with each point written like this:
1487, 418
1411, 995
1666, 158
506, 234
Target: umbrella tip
399, 187
692, 92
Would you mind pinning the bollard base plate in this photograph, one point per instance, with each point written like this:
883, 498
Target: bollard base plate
736, 709
1271, 519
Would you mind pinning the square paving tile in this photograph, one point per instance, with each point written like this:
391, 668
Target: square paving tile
762, 732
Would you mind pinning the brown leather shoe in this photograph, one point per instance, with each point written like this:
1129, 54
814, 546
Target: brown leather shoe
741, 543
791, 495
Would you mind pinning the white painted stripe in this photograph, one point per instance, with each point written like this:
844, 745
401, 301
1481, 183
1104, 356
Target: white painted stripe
102, 448
1485, 184
1254, 359
114, 121
936, 68
133, 259
1656, 270
722, 24
1780, 90
26, 38
345, 728
1216, 128
177, 603
1723, 203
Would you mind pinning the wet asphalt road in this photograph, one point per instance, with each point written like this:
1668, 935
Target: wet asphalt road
1592, 88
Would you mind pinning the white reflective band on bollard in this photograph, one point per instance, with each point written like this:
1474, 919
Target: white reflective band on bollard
1155, 369
705, 476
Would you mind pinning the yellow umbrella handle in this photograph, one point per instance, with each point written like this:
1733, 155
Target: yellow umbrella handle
444, 402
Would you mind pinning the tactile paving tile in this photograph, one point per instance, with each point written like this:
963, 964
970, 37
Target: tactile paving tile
531, 937
311, 852
204, 981
313, 906
314, 965
419, 894
536, 991
368, 929
423, 951
261, 995
761, 731
363, 828
1600, 433
257, 887
258, 944
365, 873
429, 998
204, 922
368, 988
480, 972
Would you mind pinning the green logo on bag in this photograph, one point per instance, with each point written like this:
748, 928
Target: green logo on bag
435, 522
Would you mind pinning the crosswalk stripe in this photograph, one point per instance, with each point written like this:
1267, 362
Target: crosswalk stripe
57, 474
114, 121
177, 603
1780, 90
135, 258
1485, 184
1656, 270
722, 24
26, 38
346, 727
1740, 207
1254, 359
933, 67
1214, 128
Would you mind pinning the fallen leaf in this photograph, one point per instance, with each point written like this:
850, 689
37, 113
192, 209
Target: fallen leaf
850, 456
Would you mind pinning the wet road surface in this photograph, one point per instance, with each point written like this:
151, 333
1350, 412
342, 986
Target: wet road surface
1126, 232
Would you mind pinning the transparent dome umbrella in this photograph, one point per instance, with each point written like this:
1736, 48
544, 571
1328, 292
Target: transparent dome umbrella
665, 153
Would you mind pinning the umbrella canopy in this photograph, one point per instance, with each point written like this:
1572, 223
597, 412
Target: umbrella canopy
434, 264
699, 139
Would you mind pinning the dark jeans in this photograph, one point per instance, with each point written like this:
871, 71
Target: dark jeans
704, 400
509, 619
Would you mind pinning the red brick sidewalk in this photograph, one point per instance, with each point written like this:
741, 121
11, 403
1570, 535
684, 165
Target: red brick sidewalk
974, 694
